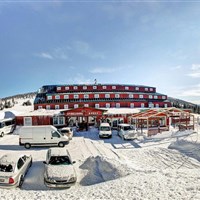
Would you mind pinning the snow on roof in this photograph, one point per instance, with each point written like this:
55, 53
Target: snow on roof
112, 111
56, 151
9, 158
40, 112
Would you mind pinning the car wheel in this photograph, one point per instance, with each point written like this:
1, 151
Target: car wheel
21, 181
61, 144
27, 145
2, 134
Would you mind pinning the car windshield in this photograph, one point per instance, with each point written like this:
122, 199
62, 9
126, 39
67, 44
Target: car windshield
59, 160
6, 168
126, 128
105, 128
64, 131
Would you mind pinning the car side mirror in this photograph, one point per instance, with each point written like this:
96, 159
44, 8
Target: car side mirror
45, 162
73, 162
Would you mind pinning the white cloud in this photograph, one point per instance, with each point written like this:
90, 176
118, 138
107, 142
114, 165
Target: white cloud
57, 53
45, 55
84, 48
102, 70
196, 67
80, 79
195, 74
176, 67
195, 71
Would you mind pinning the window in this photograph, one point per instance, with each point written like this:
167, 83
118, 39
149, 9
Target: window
107, 105
150, 96
58, 120
136, 88
165, 105
66, 96
151, 105
96, 105
20, 163
57, 97
157, 105
117, 95
57, 107
163, 97
96, 96
95, 87
48, 107
140, 96
130, 96
76, 96
107, 95
117, 105
146, 89
132, 105
151, 89
66, 106
104, 87
75, 105
75, 87
85, 87
86, 96
155, 97
142, 105
86, 105
66, 88
39, 107
49, 97
113, 87
55, 134
58, 88
126, 88
27, 121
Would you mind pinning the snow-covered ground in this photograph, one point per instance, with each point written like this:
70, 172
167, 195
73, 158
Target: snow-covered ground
165, 166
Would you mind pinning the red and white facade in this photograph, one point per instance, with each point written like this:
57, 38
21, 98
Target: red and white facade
99, 96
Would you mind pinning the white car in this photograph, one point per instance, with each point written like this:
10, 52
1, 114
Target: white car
126, 131
67, 131
13, 169
105, 130
59, 171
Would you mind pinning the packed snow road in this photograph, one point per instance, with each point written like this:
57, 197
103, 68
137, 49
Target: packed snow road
116, 169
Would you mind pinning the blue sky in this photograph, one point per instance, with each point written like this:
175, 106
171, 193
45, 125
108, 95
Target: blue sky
129, 42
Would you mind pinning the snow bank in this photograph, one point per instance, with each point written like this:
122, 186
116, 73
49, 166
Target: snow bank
101, 169
190, 149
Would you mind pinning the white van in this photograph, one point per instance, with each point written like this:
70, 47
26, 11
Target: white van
126, 131
41, 135
7, 126
105, 130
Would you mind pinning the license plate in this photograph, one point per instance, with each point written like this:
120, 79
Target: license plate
1, 180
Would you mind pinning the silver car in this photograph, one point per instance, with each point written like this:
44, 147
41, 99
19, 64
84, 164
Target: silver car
127, 132
59, 171
67, 131
13, 169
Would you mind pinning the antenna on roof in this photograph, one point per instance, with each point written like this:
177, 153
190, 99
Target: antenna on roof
95, 81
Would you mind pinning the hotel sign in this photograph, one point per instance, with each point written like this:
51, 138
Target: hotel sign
83, 112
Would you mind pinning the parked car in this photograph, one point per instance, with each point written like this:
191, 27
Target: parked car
59, 171
126, 131
7, 126
13, 169
105, 130
67, 131
41, 136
